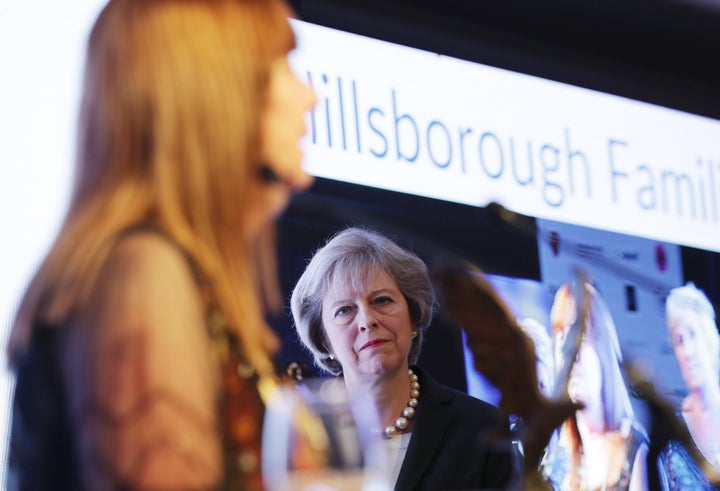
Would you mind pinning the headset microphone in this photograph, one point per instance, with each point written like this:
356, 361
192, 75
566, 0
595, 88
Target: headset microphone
268, 175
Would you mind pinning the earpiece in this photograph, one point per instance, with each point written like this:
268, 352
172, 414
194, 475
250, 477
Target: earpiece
293, 182
268, 175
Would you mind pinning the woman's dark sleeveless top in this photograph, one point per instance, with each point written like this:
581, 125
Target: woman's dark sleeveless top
41, 453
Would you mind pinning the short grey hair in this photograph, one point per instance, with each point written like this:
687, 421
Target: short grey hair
689, 298
348, 256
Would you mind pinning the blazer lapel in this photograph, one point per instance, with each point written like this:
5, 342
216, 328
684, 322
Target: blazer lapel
428, 429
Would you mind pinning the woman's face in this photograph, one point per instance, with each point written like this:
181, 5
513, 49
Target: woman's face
562, 315
585, 384
693, 358
369, 330
282, 127
563, 312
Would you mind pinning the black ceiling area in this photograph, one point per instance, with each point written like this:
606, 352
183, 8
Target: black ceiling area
665, 52
659, 51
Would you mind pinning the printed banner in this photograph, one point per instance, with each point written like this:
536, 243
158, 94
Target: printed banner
412, 121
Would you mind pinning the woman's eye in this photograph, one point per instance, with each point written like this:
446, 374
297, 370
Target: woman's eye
383, 300
342, 311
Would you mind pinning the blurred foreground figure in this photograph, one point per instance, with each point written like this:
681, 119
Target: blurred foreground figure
140, 341
506, 356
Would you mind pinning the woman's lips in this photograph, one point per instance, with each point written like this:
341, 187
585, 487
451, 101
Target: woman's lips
373, 343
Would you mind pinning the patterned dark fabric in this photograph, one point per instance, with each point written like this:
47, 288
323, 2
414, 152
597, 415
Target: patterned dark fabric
679, 472
242, 412
557, 463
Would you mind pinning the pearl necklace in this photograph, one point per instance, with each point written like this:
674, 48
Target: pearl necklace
408, 413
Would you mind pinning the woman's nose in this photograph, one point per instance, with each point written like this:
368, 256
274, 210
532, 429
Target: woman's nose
308, 95
689, 347
312, 97
366, 319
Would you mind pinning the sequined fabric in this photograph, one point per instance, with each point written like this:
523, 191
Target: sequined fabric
242, 411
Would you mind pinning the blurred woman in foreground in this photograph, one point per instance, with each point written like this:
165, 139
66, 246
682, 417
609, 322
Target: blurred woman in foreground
140, 339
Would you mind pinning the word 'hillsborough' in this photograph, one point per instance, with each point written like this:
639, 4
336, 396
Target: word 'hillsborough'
417, 122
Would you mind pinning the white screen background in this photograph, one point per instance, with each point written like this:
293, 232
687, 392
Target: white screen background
42, 44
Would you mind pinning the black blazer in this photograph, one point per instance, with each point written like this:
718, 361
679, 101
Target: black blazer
457, 442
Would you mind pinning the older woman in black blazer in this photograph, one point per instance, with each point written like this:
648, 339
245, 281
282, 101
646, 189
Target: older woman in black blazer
361, 307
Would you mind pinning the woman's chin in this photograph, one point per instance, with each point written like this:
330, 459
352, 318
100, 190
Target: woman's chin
380, 365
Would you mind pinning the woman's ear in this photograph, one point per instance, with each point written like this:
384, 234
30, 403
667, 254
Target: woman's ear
328, 349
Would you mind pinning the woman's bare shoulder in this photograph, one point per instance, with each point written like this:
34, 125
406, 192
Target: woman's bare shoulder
145, 278
148, 251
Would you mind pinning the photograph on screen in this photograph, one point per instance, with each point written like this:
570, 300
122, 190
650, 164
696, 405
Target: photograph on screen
647, 331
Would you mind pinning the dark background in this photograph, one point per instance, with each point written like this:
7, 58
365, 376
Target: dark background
663, 52
660, 51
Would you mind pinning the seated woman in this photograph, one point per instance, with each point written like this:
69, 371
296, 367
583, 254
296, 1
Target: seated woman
602, 446
362, 307
696, 343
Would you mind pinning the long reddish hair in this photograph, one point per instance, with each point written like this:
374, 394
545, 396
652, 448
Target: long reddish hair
169, 134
